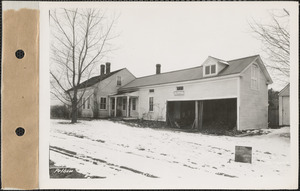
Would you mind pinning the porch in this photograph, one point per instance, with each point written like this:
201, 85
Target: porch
123, 105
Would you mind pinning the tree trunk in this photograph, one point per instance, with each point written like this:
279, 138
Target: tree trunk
74, 108
96, 106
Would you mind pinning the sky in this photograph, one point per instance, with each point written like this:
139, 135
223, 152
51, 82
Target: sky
181, 35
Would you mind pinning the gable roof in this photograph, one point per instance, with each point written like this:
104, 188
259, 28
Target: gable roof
285, 91
95, 80
234, 67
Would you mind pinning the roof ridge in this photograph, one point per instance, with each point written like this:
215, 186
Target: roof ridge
243, 58
217, 58
98, 77
170, 72
106, 74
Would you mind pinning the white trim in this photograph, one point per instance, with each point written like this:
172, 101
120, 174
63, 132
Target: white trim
280, 110
205, 98
209, 80
238, 103
262, 67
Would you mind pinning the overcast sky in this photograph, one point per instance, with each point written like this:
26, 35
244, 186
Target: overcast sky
180, 35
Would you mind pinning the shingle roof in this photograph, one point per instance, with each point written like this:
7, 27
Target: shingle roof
235, 66
95, 80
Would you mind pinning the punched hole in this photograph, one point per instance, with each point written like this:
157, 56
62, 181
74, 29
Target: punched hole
20, 131
20, 54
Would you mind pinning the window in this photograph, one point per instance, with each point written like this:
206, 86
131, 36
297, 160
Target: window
210, 69
213, 69
88, 103
83, 103
103, 103
133, 104
151, 91
150, 103
179, 87
254, 77
119, 82
207, 69
124, 104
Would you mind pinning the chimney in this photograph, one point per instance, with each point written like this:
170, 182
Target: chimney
102, 70
107, 67
157, 68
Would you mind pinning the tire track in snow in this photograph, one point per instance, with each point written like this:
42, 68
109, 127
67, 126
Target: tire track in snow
95, 160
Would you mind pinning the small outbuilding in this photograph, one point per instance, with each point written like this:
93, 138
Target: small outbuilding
284, 106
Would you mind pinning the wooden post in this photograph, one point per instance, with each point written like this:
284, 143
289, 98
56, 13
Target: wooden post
127, 107
109, 109
196, 115
116, 106
200, 114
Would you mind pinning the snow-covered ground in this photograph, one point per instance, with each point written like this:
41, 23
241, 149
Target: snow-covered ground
108, 149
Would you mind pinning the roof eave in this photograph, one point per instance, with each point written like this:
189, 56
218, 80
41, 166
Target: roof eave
186, 81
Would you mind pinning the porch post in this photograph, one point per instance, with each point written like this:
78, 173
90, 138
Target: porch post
200, 114
127, 108
115, 114
196, 115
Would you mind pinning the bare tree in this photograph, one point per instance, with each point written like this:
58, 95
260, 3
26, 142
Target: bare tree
275, 38
79, 41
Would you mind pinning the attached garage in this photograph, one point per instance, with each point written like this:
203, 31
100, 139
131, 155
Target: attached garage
203, 114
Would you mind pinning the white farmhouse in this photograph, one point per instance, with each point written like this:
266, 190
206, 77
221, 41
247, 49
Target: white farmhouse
232, 94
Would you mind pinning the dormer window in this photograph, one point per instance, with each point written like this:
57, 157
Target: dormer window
211, 69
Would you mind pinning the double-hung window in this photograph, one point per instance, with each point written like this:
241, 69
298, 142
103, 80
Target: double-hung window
150, 103
119, 81
103, 103
254, 77
133, 104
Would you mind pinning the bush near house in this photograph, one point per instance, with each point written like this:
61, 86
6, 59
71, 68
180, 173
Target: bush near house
59, 111
273, 108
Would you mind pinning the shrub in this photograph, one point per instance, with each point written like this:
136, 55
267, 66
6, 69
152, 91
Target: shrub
59, 111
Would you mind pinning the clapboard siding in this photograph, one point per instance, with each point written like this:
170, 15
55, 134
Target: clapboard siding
217, 89
253, 103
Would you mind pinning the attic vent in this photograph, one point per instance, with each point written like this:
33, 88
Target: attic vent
151, 91
179, 87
